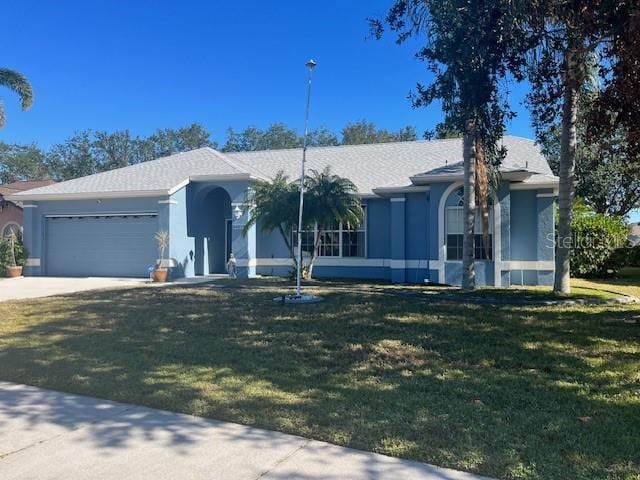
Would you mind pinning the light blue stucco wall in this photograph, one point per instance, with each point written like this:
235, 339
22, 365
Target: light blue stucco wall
524, 228
416, 225
532, 235
378, 228
208, 205
181, 246
403, 242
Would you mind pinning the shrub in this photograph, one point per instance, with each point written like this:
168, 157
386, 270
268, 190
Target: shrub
599, 244
5, 253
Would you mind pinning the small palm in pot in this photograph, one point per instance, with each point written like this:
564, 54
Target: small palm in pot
13, 269
161, 270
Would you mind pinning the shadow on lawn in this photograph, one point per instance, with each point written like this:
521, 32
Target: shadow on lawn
498, 391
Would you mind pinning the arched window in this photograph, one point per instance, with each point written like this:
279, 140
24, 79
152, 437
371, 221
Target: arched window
454, 229
9, 229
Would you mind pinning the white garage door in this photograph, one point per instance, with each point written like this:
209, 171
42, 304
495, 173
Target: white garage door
108, 245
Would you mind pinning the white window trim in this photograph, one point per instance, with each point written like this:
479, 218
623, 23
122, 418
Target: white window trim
340, 231
442, 246
491, 232
7, 225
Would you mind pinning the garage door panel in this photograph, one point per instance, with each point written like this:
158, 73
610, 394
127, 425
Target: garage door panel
100, 246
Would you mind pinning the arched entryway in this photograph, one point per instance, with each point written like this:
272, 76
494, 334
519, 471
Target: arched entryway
212, 229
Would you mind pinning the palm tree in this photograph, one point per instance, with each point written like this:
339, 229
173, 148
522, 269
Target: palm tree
19, 84
331, 199
275, 206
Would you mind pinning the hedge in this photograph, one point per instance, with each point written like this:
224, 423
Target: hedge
599, 244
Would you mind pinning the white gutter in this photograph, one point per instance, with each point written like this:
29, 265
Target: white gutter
534, 185
389, 191
87, 195
517, 176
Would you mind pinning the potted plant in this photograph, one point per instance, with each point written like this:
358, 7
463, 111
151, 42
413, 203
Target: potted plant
14, 267
161, 271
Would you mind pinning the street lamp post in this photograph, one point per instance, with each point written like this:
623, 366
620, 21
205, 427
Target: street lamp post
310, 65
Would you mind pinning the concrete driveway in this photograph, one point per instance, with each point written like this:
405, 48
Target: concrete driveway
49, 435
34, 287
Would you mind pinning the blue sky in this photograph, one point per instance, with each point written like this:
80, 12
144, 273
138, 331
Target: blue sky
151, 64
147, 64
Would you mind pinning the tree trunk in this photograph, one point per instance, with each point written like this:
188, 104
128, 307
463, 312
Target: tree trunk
290, 246
469, 208
314, 254
574, 65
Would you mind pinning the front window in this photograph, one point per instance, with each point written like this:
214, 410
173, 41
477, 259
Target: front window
454, 228
336, 241
329, 245
10, 229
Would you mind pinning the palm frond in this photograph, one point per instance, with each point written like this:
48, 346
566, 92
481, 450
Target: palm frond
19, 84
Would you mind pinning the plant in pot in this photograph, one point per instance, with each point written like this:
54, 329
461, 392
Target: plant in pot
161, 271
16, 255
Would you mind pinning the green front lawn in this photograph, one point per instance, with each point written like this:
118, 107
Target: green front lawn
511, 392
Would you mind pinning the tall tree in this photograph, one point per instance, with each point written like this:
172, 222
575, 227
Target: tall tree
73, 158
167, 141
607, 176
362, 132
470, 46
617, 109
276, 136
569, 34
275, 208
19, 84
113, 150
322, 137
89, 152
22, 162
330, 199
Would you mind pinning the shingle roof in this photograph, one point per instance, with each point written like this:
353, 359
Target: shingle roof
389, 164
161, 174
368, 166
23, 185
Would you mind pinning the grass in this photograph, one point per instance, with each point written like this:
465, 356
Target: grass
627, 282
511, 392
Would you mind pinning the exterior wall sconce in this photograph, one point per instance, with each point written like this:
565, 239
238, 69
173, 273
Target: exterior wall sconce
237, 212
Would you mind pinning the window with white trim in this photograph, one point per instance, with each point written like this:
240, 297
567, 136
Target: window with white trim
336, 241
454, 229
9, 229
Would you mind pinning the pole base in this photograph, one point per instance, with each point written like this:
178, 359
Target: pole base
297, 299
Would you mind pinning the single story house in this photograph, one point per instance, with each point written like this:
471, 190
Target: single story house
104, 224
11, 211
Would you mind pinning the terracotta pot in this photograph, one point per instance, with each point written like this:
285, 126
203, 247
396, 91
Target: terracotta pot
13, 272
160, 275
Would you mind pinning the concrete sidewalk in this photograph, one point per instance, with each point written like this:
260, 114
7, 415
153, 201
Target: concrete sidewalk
52, 435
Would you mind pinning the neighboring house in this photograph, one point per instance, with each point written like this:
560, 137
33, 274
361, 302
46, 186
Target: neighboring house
104, 224
11, 211
634, 234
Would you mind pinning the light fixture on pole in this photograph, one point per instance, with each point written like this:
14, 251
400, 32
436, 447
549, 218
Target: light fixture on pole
310, 66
